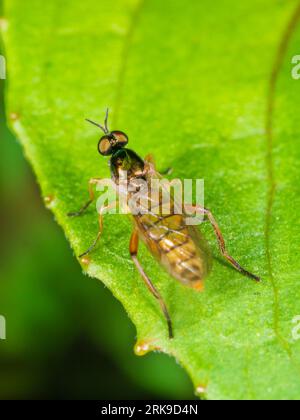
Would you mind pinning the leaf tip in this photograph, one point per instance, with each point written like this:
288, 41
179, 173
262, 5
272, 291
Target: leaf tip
49, 200
200, 390
141, 348
85, 261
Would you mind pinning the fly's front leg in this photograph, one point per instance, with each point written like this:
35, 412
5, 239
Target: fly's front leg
222, 244
150, 159
133, 249
103, 210
92, 183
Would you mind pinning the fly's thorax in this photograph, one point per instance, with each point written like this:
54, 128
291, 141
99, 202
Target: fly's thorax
126, 163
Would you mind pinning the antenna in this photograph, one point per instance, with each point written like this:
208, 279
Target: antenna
105, 128
106, 120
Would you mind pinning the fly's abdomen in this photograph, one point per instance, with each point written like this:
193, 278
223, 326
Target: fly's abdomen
175, 245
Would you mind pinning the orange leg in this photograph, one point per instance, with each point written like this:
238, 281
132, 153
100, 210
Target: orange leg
221, 242
150, 159
133, 249
100, 220
92, 183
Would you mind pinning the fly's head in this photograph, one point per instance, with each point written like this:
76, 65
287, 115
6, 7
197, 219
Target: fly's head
123, 162
112, 142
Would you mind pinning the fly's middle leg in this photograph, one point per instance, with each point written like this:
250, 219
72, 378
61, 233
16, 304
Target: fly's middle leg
92, 183
222, 244
103, 210
133, 249
90, 248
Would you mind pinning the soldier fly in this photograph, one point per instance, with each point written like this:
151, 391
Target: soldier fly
179, 247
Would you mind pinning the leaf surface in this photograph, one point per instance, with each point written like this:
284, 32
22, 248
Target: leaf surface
190, 82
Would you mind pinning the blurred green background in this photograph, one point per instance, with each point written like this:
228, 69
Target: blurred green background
67, 337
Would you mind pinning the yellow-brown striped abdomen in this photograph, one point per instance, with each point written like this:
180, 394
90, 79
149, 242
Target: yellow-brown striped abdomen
177, 246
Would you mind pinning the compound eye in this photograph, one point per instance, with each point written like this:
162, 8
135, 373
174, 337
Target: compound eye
105, 146
120, 137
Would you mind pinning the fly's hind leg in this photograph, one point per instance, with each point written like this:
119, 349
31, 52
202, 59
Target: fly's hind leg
222, 244
133, 249
92, 183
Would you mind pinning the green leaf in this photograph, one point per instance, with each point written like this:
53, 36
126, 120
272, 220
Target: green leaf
190, 82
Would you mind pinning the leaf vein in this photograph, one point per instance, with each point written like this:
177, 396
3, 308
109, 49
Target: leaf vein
269, 132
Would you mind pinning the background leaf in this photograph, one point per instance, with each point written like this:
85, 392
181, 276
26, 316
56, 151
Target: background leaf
189, 82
